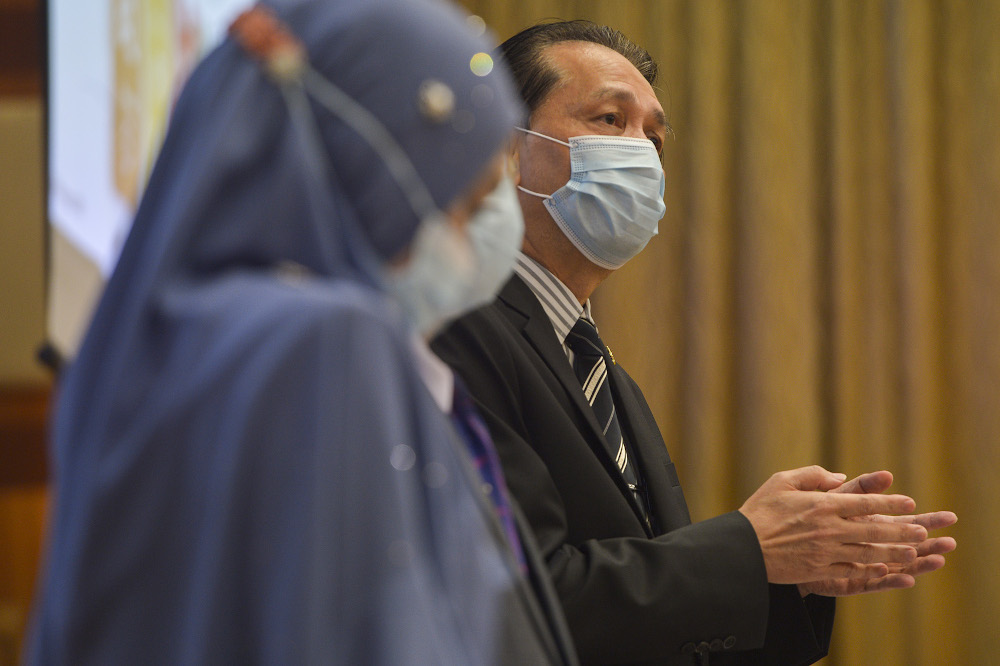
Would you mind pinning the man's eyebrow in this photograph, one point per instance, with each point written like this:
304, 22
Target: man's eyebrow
627, 96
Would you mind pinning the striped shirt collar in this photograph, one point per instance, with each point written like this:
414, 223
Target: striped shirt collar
557, 300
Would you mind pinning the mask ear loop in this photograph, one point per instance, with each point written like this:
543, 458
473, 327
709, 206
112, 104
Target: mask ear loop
371, 129
284, 57
321, 174
543, 136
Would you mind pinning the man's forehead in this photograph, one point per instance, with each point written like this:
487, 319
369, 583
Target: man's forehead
588, 54
575, 61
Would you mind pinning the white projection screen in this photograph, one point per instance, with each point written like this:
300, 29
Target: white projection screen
115, 68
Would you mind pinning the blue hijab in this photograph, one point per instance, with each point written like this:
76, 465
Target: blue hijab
248, 466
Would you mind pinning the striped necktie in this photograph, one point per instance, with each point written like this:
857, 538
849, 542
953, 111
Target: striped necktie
590, 363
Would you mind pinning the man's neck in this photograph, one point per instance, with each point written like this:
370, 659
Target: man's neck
580, 275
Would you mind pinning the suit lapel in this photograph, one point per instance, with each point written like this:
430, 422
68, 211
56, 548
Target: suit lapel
659, 475
538, 331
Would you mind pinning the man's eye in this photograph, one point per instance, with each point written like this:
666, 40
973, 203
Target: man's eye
609, 118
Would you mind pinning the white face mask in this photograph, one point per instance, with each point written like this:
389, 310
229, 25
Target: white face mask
613, 202
496, 231
450, 272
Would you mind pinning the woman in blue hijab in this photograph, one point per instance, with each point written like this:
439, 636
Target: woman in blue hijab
250, 466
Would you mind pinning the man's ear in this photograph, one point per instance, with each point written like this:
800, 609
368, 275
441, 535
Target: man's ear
514, 160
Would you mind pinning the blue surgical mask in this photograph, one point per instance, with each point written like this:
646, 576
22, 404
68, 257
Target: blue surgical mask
449, 271
613, 202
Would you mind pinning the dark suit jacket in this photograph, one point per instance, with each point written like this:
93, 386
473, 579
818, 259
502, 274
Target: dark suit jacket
543, 602
629, 595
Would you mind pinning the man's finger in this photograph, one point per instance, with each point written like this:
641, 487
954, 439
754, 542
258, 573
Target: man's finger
894, 581
883, 533
842, 587
855, 570
936, 546
851, 505
873, 553
925, 565
919, 566
931, 521
872, 482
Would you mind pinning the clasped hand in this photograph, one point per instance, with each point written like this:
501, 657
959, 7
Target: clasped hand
849, 540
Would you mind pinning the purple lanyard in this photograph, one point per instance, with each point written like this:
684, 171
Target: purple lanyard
484, 456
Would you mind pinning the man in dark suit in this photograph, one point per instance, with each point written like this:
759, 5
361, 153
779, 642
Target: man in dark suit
580, 449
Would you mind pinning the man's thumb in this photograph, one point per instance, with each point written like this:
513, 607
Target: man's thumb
815, 477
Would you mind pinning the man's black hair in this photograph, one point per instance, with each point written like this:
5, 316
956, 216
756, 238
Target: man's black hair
534, 74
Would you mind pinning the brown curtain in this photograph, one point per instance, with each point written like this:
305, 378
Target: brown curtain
825, 287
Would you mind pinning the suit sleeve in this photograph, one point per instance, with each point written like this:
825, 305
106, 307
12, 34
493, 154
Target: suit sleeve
627, 598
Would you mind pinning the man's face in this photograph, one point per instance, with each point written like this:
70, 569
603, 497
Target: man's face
599, 92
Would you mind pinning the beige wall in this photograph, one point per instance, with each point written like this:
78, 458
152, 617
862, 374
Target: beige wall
22, 327
22, 379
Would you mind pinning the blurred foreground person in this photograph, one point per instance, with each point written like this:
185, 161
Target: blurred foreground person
253, 458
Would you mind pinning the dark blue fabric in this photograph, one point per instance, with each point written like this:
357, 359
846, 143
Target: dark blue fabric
249, 468
486, 461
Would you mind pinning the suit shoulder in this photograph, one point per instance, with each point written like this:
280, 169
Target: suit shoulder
484, 330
